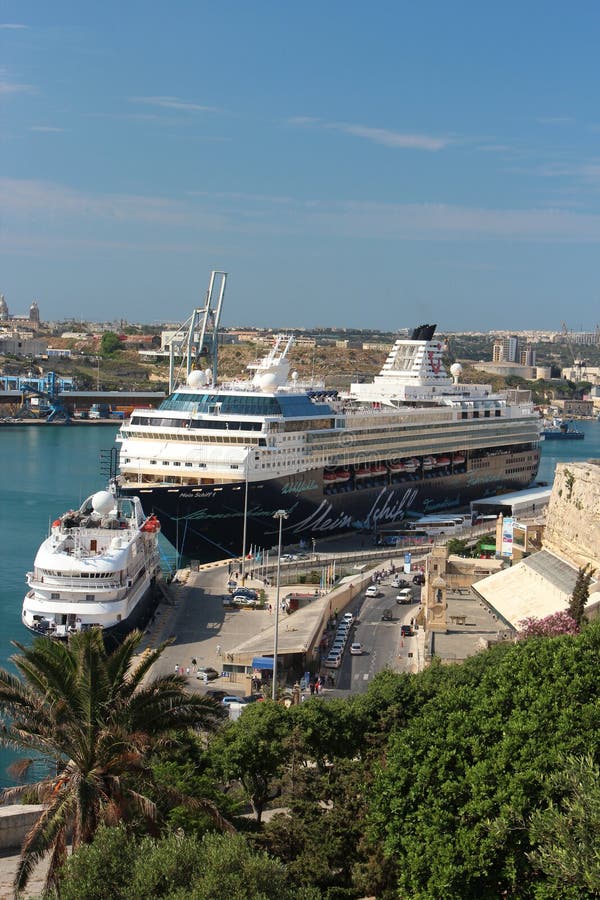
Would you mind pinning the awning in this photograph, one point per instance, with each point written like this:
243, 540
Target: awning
263, 662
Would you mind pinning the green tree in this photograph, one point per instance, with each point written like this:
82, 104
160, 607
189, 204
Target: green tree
581, 594
565, 833
110, 343
252, 749
93, 719
119, 866
469, 768
457, 547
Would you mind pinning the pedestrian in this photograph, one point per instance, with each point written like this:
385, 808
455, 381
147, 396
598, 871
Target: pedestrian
187, 671
176, 668
218, 649
311, 688
194, 662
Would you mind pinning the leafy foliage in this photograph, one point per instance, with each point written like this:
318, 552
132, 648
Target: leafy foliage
253, 750
550, 626
565, 833
470, 768
109, 343
581, 594
93, 720
178, 867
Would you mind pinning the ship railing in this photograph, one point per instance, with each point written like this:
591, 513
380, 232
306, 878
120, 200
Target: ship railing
81, 585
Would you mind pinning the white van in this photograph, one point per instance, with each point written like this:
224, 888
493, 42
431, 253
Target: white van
405, 596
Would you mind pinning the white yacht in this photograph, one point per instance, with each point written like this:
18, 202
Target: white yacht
97, 569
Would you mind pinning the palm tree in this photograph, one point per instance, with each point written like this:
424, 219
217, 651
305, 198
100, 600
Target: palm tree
93, 718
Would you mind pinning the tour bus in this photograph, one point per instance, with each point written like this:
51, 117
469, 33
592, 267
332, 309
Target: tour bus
447, 525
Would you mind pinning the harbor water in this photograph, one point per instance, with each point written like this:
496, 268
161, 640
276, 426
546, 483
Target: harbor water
45, 470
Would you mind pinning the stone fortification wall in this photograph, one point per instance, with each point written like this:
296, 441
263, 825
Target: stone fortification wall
573, 520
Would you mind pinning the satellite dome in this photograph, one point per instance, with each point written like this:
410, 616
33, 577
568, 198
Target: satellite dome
196, 379
294, 376
103, 502
456, 371
268, 381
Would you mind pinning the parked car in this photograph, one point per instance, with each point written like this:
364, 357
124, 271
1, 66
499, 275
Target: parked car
399, 583
215, 695
237, 600
228, 699
372, 591
349, 618
333, 661
419, 578
207, 672
245, 592
387, 615
406, 630
356, 649
405, 596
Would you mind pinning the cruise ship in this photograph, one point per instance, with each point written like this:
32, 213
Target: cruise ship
216, 461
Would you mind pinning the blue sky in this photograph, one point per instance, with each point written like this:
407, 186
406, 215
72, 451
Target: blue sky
367, 165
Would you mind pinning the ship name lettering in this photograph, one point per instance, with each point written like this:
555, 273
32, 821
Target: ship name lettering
391, 508
298, 487
319, 521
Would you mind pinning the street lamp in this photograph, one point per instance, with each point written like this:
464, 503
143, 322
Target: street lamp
281, 514
245, 521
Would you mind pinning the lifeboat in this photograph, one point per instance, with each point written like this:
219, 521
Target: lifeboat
428, 462
151, 524
411, 465
443, 461
379, 470
396, 466
342, 476
363, 472
458, 459
330, 477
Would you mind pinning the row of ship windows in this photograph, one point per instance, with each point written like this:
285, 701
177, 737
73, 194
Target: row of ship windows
52, 574
187, 436
409, 435
89, 597
222, 424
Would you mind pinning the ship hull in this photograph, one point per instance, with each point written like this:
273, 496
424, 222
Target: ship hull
113, 635
563, 435
206, 523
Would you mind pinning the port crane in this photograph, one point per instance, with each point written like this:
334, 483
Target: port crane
578, 364
198, 336
47, 391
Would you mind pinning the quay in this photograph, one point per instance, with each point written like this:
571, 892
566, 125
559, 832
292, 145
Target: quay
205, 629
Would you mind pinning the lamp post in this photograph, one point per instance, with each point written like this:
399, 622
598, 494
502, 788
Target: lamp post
244, 531
281, 514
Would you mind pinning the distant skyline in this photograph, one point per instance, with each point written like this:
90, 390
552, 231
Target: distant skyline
373, 166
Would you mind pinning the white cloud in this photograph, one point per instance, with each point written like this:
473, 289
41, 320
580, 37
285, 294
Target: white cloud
45, 128
42, 197
12, 87
173, 103
395, 139
430, 221
383, 136
12, 26
39, 202
555, 120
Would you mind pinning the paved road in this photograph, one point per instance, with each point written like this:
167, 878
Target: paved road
383, 646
